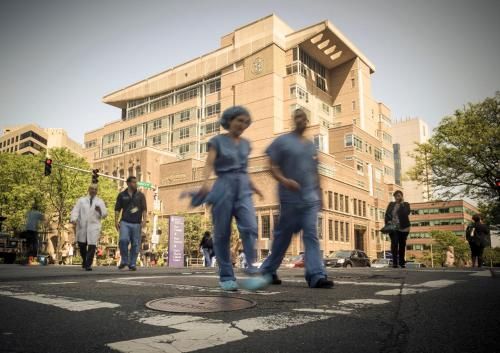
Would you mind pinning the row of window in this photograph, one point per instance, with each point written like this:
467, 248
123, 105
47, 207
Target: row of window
311, 64
299, 92
140, 107
33, 135
339, 232
9, 141
438, 222
457, 209
426, 235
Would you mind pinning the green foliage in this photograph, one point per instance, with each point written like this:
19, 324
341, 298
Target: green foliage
22, 186
443, 239
464, 153
490, 212
491, 256
194, 227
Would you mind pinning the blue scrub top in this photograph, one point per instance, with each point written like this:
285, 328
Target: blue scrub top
298, 160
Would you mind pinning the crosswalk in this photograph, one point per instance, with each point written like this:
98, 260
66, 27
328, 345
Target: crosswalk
190, 333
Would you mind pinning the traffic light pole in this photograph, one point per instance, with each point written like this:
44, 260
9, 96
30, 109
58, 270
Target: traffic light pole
87, 171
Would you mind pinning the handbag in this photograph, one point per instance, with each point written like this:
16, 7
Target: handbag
389, 228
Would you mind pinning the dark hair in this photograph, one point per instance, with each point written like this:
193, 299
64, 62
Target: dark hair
397, 192
131, 178
476, 217
299, 111
206, 234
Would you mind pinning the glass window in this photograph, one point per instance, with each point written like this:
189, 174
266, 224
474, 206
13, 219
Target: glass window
320, 228
336, 230
213, 109
185, 115
347, 233
318, 142
359, 167
355, 206
347, 204
353, 105
364, 208
213, 86
330, 200
265, 226
184, 148
330, 229
337, 109
348, 140
341, 203
184, 133
342, 234
336, 199
157, 124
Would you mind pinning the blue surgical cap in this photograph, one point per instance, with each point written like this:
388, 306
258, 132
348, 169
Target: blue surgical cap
231, 113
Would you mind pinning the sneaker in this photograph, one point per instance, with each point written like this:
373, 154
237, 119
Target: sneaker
275, 280
132, 268
324, 283
122, 266
255, 283
229, 286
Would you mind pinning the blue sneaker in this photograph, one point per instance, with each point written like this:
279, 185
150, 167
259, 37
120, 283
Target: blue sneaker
255, 283
229, 286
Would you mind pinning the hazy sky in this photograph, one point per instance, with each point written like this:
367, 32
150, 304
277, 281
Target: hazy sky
59, 58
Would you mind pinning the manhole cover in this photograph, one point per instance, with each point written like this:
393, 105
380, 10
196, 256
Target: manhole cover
199, 304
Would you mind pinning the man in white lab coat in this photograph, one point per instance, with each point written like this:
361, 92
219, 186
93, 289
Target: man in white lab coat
86, 216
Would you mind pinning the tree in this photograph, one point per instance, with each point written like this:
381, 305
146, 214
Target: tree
194, 227
21, 187
444, 239
491, 256
464, 153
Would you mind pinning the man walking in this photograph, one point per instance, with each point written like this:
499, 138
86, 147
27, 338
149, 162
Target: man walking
131, 204
294, 164
33, 219
207, 247
86, 216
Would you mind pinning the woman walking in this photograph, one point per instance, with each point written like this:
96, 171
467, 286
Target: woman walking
397, 215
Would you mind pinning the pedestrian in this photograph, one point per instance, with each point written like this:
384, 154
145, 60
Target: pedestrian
86, 216
231, 196
71, 253
242, 260
64, 253
33, 219
131, 206
294, 164
397, 215
207, 248
477, 234
450, 257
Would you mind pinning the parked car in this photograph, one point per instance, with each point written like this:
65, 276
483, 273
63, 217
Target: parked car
10, 248
295, 261
381, 263
347, 258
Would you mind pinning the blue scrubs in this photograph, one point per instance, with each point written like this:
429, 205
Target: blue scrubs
231, 196
297, 160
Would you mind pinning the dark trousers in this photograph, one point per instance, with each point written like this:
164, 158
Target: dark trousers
398, 247
477, 254
87, 252
31, 242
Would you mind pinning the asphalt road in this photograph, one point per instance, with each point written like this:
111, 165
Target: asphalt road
64, 309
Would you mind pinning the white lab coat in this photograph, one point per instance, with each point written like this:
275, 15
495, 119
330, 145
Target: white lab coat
88, 220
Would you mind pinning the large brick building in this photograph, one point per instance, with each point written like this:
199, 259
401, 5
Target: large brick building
272, 70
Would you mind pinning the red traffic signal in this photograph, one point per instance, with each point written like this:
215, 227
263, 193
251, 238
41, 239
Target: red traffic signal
48, 167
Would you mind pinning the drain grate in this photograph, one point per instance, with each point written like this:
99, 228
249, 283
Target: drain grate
209, 304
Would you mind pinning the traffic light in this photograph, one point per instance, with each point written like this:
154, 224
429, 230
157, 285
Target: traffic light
95, 176
48, 166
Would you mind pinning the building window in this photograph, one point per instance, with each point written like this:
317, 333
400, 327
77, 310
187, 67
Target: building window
336, 201
132, 131
326, 108
358, 143
330, 230
318, 142
320, 83
185, 115
388, 171
347, 233
347, 204
341, 203
187, 95
184, 148
348, 140
336, 230
132, 145
156, 140
320, 228
353, 105
330, 200
378, 154
342, 234
204, 147
355, 206
360, 167
213, 86
265, 226
299, 92
210, 128
364, 208
90, 144
157, 124
353, 83
17, 138
184, 133
212, 109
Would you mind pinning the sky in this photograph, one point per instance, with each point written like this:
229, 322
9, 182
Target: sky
58, 58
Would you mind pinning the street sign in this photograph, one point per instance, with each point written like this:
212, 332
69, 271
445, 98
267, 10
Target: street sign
145, 184
176, 242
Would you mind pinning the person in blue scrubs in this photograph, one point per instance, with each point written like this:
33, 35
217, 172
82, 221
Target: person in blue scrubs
294, 164
231, 196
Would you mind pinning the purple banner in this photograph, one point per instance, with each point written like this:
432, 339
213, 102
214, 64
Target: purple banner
176, 242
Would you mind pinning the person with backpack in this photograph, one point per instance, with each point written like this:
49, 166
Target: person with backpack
477, 234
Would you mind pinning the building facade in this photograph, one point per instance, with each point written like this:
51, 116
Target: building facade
407, 133
272, 70
452, 216
32, 139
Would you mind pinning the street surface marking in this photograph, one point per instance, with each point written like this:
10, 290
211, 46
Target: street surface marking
55, 283
71, 304
486, 273
363, 302
324, 311
410, 289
